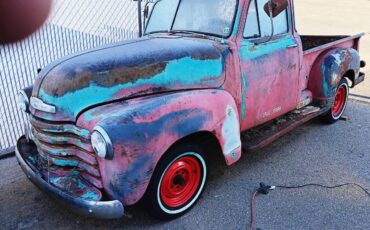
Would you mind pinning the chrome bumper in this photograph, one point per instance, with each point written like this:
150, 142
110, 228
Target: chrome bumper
96, 209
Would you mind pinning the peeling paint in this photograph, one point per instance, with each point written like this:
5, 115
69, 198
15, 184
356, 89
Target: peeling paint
232, 138
150, 93
153, 67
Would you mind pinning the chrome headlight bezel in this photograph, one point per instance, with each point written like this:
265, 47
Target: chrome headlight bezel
101, 143
23, 101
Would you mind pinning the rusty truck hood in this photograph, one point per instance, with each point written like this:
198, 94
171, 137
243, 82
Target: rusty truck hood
128, 69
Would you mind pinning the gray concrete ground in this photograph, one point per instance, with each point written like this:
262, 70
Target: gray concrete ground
314, 153
338, 17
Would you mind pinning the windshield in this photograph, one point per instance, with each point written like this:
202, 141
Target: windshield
204, 16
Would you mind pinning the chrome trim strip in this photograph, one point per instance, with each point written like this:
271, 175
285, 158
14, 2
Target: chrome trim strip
38, 104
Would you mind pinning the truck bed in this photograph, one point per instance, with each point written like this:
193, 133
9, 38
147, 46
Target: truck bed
314, 46
313, 43
310, 42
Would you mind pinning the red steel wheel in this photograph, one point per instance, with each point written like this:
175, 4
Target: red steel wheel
180, 181
339, 103
177, 182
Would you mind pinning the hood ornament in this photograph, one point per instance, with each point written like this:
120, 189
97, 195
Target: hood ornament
38, 104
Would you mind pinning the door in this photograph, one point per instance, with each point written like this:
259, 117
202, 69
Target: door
270, 68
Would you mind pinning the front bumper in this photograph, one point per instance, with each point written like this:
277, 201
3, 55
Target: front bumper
360, 79
97, 209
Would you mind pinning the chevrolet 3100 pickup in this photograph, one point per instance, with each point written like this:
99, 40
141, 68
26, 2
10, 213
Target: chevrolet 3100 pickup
137, 120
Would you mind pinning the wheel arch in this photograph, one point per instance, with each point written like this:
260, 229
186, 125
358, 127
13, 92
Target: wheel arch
351, 75
329, 69
205, 139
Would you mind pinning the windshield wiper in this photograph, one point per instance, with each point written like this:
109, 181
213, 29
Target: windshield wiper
198, 34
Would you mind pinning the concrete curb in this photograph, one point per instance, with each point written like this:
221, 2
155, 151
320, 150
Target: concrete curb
359, 98
6, 153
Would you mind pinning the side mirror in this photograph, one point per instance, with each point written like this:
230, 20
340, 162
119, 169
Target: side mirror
277, 6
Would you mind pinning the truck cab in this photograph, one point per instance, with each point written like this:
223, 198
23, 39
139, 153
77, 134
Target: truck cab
139, 120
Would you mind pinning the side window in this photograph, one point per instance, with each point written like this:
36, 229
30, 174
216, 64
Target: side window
258, 23
280, 21
251, 29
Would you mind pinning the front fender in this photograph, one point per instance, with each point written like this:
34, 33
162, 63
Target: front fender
328, 70
143, 129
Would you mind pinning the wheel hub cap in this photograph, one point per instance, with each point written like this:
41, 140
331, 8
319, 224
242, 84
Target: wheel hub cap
180, 181
339, 101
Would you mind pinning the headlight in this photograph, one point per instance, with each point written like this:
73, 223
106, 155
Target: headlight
101, 143
22, 101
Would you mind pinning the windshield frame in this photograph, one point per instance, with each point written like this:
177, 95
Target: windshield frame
199, 32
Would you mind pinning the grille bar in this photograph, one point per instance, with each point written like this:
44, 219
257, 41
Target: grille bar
61, 139
66, 151
60, 128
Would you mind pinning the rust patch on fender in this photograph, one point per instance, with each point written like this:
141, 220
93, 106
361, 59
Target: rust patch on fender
81, 79
205, 56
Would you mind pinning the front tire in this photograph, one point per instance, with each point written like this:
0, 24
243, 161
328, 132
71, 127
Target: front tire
177, 182
339, 104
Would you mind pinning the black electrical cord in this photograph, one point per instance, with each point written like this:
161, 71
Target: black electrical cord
265, 189
324, 186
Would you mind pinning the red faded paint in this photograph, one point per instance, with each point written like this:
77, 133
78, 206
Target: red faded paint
156, 136
158, 90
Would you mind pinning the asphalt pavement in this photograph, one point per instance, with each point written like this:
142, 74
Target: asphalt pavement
313, 153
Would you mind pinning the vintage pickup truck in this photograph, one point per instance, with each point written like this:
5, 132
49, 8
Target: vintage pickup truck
137, 120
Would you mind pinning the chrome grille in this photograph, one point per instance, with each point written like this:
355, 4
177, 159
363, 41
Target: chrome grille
64, 149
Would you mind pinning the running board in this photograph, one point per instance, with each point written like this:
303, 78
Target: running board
267, 133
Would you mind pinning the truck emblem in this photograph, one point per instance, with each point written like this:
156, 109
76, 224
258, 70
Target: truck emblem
38, 104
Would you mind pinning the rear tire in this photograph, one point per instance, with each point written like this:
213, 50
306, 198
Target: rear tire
177, 183
339, 104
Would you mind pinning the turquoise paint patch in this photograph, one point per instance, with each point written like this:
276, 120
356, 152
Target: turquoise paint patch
89, 195
32, 160
88, 116
65, 162
325, 86
248, 52
237, 22
185, 71
60, 181
243, 95
85, 132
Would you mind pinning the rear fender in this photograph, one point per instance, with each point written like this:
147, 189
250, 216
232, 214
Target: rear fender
329, 69
143, 129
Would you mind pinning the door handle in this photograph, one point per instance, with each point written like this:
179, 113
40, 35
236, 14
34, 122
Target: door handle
293, 45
